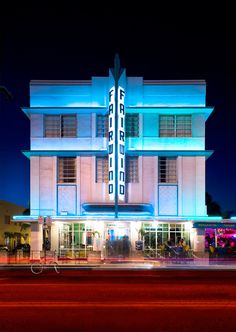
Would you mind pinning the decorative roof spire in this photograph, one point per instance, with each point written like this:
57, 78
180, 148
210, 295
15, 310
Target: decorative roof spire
117, 70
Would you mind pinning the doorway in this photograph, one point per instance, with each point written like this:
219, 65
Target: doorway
117, 240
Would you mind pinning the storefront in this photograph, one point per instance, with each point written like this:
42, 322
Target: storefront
219, 235
110, 238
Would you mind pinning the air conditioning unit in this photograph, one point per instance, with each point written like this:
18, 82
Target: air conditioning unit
64, 213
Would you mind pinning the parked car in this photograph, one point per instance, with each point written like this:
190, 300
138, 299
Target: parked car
3, 247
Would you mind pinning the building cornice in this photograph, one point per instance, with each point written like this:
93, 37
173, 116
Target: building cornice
92, 153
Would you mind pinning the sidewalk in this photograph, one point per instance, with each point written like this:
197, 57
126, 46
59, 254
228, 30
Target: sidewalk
138, 264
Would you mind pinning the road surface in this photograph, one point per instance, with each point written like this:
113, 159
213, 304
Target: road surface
129, 300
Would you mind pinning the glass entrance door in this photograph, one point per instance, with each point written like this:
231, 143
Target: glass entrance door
117, 240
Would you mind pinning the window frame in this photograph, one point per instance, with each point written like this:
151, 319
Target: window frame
61, 123
131, 175
106, 127
176, 130
165, 173
61, 180
132, 129
101, 177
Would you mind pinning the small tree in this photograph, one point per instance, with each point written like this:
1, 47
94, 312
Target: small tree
213, 208
6, 92
141, 233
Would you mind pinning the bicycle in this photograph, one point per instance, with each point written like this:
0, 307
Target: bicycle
38, 267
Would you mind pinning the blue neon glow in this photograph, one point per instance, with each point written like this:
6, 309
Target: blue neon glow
166, 143
24, 218
130, 216
121, 144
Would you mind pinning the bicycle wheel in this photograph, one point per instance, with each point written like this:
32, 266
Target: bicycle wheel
36, 268
55, 266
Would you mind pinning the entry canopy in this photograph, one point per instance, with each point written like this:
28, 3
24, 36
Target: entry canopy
122, 208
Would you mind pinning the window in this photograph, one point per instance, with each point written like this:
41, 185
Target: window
67, 170
102, 125
102, 169
132, 125
167, 170
175, 125
60, 125
131, 171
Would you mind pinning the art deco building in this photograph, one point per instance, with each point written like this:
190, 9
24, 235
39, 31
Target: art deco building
116, 157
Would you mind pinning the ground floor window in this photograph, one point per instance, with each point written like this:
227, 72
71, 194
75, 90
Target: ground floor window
75, 240
112, 239
159, 236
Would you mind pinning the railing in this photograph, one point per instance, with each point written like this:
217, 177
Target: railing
168, 252
46, 255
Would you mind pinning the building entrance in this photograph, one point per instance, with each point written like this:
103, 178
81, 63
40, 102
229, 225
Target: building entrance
117, 240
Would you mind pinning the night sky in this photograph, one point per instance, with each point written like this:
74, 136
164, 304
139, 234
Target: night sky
60, 42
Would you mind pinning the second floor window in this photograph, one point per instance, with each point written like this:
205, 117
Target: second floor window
102, 169
131, 170
102, 125
175, 125
66, 170
60, 125
167, 170
132, 125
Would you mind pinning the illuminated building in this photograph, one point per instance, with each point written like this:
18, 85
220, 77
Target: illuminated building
117, 156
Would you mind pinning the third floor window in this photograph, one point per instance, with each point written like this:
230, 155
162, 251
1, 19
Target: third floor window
175, 125
102, 125
60, 125
132, 125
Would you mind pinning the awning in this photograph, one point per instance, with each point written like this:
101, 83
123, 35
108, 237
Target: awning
214, 225
122, 208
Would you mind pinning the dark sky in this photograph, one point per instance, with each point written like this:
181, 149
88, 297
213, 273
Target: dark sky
66, 42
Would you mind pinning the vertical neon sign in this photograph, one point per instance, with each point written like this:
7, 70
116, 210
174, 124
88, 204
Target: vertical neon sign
116, 113
111, 144
121, 144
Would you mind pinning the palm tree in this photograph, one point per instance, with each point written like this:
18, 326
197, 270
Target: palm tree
6, 92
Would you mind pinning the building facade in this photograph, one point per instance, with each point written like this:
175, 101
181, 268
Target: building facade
117, 158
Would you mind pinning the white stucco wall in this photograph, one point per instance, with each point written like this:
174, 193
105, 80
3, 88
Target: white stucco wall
191, 179
43, 185
36, 240
149, 172
85, 179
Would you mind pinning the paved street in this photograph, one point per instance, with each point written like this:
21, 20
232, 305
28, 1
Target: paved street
120, 300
